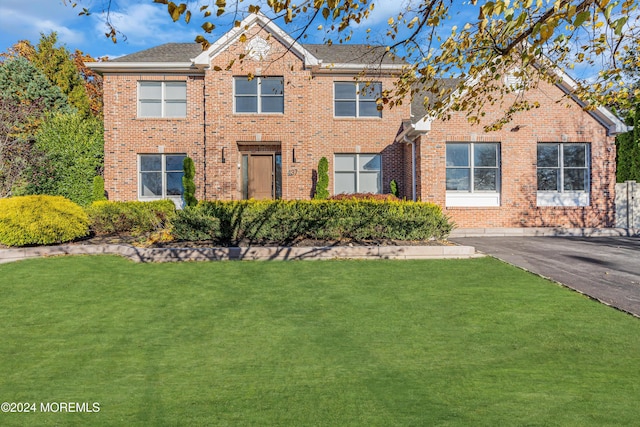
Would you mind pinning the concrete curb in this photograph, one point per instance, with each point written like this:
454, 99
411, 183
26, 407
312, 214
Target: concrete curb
243, 253
543, 232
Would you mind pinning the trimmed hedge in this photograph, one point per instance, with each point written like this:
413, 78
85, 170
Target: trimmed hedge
41, 220
130, 217
288, 221
193, 224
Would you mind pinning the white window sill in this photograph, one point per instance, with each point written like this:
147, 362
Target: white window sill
566, 199
472, 200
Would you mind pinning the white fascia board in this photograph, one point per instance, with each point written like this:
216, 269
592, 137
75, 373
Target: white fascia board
602, 114
223, 43
357, 68
413, 130
424, 124
143, 67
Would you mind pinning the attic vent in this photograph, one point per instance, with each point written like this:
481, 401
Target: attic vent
513, 80
258, 49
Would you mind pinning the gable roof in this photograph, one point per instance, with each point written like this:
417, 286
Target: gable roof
169, 52
352, 54
418, 108
189, 57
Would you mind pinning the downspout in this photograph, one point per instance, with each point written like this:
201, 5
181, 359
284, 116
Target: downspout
413, 165
204, 133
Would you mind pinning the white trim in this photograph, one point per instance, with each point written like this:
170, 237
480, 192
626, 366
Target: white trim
223, 43
458, 199
144, 67
356, 68
603, 115
566, 199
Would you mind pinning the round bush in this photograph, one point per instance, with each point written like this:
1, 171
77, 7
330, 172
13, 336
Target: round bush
41, 220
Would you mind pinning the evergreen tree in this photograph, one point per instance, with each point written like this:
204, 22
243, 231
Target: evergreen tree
322, 185
628, 151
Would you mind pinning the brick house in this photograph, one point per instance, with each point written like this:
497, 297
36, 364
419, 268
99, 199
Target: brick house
262, 137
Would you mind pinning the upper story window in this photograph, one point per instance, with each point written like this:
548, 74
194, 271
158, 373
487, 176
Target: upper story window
260, 95
162, 99
357, 99
563, 174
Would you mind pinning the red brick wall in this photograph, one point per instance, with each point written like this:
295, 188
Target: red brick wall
552, 122
309, 127
126, 135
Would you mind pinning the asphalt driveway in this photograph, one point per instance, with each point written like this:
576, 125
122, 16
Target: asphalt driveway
604, 268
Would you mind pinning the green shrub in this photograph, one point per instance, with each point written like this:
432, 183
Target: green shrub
393, 186
98, 189
284, 222
193, 224
187, 182
41, 220
130, 217
322, 192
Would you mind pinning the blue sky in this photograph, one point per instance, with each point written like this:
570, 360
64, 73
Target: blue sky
144, 23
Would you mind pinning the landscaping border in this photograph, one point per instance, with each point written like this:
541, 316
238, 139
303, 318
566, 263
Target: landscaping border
282, 253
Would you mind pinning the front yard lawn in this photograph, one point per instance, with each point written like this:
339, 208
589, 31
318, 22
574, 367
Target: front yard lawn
370, 343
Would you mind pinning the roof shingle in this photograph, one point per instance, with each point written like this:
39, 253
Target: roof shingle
334, 54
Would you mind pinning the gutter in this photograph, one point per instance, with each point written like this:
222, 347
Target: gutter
145, 67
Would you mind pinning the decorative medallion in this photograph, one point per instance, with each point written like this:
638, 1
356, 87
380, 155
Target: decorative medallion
513, 80
258, 49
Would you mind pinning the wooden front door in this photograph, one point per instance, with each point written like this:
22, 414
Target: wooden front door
260, 176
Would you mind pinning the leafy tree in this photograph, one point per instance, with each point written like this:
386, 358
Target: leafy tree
322, 186
16, 148
508, 36
73, 155
60, 66
92, 82
26, 95
628, 152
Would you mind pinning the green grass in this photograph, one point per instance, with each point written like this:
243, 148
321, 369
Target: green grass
370, 343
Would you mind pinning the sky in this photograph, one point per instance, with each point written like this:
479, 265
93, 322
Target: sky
144, 24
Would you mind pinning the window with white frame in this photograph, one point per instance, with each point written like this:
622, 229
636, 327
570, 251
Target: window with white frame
563, 174
473, 174
160, 176
357, 173
357, 99
162, 99
260, 95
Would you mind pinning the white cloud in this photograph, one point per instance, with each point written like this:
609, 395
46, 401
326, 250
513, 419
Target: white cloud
24, 20
147, 24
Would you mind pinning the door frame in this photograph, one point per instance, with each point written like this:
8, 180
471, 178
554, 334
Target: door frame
244, 170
